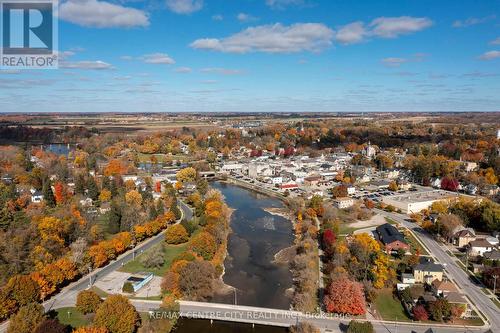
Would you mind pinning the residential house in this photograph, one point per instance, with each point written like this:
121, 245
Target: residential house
312, 180
463, 237
490, 190
479, 246
443, 288
392, 238
427, 271
493, 255
36, 197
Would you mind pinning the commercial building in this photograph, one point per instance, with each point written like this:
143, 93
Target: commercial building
417, 201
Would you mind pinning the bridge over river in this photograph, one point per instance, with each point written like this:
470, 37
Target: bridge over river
286, 318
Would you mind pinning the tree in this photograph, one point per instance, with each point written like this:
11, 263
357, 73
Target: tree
51, 326
449, 223
440, 309
393, 186
345, 296
117, 315
91, 329
328, 241
196, 280
456, 311
87, 301
339, 191
360, 327
133, 198
92, 189
420, 313
23, 289
176, 234
26, 319
48, 195
105, 195
186, 175
304, 327
450, 184
154, 258
59, 194
7, 305
204, 245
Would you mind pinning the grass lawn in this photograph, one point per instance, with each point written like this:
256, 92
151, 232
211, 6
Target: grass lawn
171, 251
72, 317
415, 244
99, 292
390, 308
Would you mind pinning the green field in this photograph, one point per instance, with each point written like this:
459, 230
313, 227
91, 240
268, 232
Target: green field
72, 317
170, 252
390, 308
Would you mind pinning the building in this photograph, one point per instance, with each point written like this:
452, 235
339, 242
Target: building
312, 180
427, 271
464, 237
479, 246
443, 288
139, 280
344, 202
392, 239
417, 201
493, 255
36, 197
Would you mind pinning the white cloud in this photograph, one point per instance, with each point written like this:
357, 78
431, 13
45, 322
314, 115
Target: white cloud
158, 58
393, 61
184, 70
490, 55
472, 21
275, 38
184, 6
222, 71
391, 27
217, 17
101, 14
495, 41
96, 65
280, 4
242, 17
351, 33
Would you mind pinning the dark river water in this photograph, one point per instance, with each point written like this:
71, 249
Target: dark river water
256, 237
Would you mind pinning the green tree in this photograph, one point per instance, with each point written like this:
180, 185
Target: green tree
440, 309
360, 327
92, 189
48, 195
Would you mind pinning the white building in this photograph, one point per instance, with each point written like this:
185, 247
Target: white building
415, 202
479, 246
344, 202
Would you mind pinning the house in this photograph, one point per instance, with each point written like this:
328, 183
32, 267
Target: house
427, 271
493, 255
490, 190
471, 189
456, 298
351, 189
436, 183
344, 202
36, 197
463, 237
312, 180
407, 278
443, 288
478, 247
392, 238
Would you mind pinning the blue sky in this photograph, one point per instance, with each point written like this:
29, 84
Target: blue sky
267, 55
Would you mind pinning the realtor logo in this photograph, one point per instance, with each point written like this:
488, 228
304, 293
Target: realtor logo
29, 34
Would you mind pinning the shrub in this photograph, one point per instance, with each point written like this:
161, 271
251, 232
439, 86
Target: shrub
154, 258
128, 288
360, 327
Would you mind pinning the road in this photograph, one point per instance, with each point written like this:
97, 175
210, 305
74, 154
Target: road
67, 296
461, 278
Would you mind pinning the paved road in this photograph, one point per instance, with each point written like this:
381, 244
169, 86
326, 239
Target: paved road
284, 318
468, 287
67, 296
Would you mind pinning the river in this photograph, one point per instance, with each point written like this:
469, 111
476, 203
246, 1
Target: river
255, 238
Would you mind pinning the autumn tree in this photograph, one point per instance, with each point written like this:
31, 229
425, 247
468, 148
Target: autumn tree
7, 305
204, 245
23, 289
117, 315
176, 234
420, 313
59, 193
49, 325
26, 319
440, 309
449, 223
339, 191
186, 175
345, 296
87, 301
91, 329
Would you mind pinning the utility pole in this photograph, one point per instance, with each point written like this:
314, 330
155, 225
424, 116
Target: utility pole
495, 277
235, 297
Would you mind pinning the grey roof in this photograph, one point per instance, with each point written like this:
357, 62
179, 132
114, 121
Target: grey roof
492, 255
388, 234
428, 265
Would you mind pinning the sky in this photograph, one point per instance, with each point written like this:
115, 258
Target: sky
267, 56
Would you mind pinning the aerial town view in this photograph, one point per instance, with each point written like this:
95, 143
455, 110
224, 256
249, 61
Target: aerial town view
254, 166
